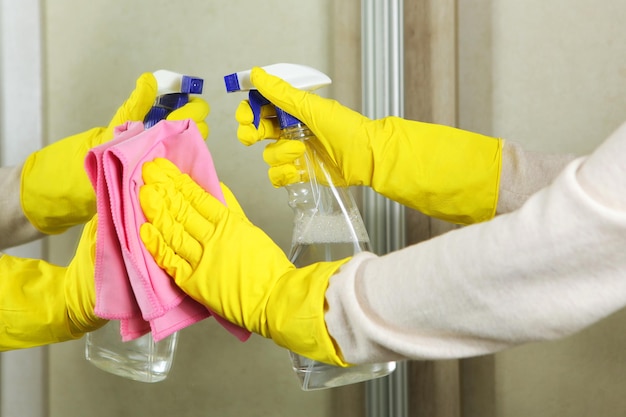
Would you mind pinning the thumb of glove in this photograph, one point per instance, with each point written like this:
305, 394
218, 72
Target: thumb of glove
136, 105
345, 134
324, 116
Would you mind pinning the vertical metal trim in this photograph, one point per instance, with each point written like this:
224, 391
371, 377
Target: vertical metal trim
382, 27
23, 374
383, 95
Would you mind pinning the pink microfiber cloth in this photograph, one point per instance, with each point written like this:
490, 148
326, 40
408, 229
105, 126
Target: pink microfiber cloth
130, 286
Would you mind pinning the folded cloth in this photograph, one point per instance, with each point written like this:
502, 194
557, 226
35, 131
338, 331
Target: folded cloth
130, 286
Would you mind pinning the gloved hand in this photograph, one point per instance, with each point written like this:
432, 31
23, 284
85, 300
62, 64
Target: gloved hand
441, 171
55, 190
43, 303
218, 257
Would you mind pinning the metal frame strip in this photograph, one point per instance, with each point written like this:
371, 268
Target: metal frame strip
382, 27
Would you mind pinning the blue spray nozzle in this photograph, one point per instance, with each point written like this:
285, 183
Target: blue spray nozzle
173, 91
191, 85
232, 83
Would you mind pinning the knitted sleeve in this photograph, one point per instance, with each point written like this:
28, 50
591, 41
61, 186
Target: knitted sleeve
524, 173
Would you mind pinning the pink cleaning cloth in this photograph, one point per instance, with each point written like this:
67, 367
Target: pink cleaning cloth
130, 286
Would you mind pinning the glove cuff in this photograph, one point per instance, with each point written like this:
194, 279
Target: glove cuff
444, 172
295, 313
55, 191
32, 309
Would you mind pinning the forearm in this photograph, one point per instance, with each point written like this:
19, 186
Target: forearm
524, 173
15, 228
542, 272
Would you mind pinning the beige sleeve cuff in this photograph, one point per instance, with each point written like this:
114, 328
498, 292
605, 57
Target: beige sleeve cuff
524, 173
15, 228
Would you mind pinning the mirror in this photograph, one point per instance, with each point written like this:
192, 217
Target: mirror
93, 54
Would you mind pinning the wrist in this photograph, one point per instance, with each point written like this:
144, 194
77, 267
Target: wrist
295, 313
55, 192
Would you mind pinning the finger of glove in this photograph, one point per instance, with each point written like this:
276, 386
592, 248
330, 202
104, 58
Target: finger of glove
197, 110
244, 114
328, 119
287, 174
301, 104
281, 157
138, 103
162, 205
283, 151
167, 259
159, 170
204, 209
163, 171
345, 134
249, 134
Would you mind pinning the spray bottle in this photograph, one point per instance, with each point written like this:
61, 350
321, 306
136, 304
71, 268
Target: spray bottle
327, 222
143, 359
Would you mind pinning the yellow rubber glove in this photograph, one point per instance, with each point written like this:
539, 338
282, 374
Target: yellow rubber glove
55, 190
43, 303
218, 257
441, 171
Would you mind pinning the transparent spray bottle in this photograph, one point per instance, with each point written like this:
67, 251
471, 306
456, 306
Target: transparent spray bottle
327, 222
143, 359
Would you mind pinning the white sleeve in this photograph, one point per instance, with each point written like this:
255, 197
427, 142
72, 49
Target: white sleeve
15, 228
547, 270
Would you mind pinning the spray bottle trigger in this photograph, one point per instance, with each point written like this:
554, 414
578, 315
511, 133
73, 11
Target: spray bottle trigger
257, 101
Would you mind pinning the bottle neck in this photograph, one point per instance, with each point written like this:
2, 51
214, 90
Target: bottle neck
298, 131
